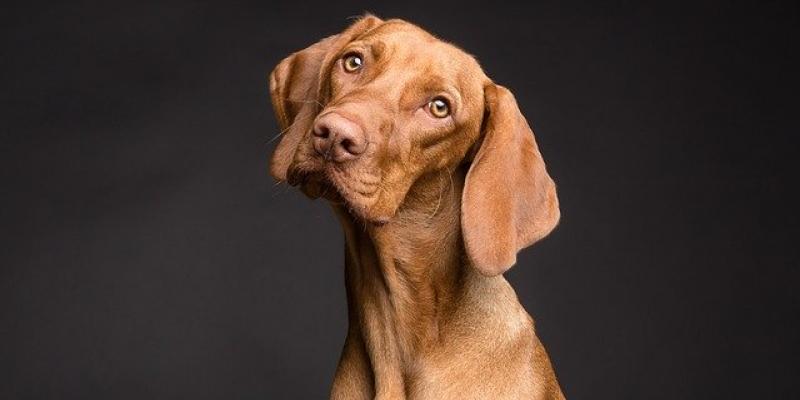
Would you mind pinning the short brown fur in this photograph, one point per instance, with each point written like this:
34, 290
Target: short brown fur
434, 211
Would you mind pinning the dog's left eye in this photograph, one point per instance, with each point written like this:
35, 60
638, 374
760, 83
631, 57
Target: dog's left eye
439, 107
352, 62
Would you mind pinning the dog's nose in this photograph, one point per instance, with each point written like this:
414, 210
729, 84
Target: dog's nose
337, 138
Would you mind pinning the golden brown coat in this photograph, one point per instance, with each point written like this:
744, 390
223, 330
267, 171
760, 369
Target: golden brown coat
434, 210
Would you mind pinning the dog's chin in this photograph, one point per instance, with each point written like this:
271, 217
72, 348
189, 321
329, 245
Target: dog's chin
316, 185
358, 209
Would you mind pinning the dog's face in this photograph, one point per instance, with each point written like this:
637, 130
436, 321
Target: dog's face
368, 112
395, 103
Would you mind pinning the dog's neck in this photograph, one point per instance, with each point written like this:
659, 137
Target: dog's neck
404, 279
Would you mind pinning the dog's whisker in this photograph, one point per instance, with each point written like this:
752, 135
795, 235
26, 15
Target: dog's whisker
312, 101
301, 101
282, 132
439, 201
274, 138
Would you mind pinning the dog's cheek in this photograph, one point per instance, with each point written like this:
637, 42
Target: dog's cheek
396, 187
400, 149
334, 83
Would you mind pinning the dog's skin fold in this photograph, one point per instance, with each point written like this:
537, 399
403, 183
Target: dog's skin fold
438, 182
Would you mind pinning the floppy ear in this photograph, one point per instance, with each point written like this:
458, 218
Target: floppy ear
294, 87
509, 200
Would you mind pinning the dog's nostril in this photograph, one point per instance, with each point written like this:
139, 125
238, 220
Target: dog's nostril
321, 131
347, 144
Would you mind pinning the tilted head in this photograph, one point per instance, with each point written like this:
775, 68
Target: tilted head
368, 112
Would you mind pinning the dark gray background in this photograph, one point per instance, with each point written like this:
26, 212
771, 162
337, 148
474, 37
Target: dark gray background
146, 253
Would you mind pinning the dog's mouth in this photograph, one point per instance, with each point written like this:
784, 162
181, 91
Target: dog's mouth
356, 193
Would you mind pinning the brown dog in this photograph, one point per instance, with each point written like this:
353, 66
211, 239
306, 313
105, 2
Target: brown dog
438, 182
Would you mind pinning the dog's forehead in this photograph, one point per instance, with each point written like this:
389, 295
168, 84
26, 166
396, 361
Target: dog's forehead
413, 45
395, 29
421, 56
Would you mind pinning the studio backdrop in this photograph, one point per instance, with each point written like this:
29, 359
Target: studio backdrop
147, 253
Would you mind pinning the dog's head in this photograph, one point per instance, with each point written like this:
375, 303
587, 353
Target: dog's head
368, 112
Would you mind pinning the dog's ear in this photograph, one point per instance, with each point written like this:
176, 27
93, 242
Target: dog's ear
294, 87
509, 200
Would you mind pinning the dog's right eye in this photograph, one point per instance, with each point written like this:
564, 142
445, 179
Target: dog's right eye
352, 62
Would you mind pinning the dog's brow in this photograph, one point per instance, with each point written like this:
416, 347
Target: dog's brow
429, 86
378, 48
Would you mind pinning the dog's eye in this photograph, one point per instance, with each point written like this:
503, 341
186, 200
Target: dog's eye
439, 107
352, 62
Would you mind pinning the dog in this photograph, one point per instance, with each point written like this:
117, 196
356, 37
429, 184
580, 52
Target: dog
438, 182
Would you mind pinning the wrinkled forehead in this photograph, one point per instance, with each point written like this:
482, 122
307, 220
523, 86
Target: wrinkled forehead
408, 49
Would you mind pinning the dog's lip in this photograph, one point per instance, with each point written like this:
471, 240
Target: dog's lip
318, 183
